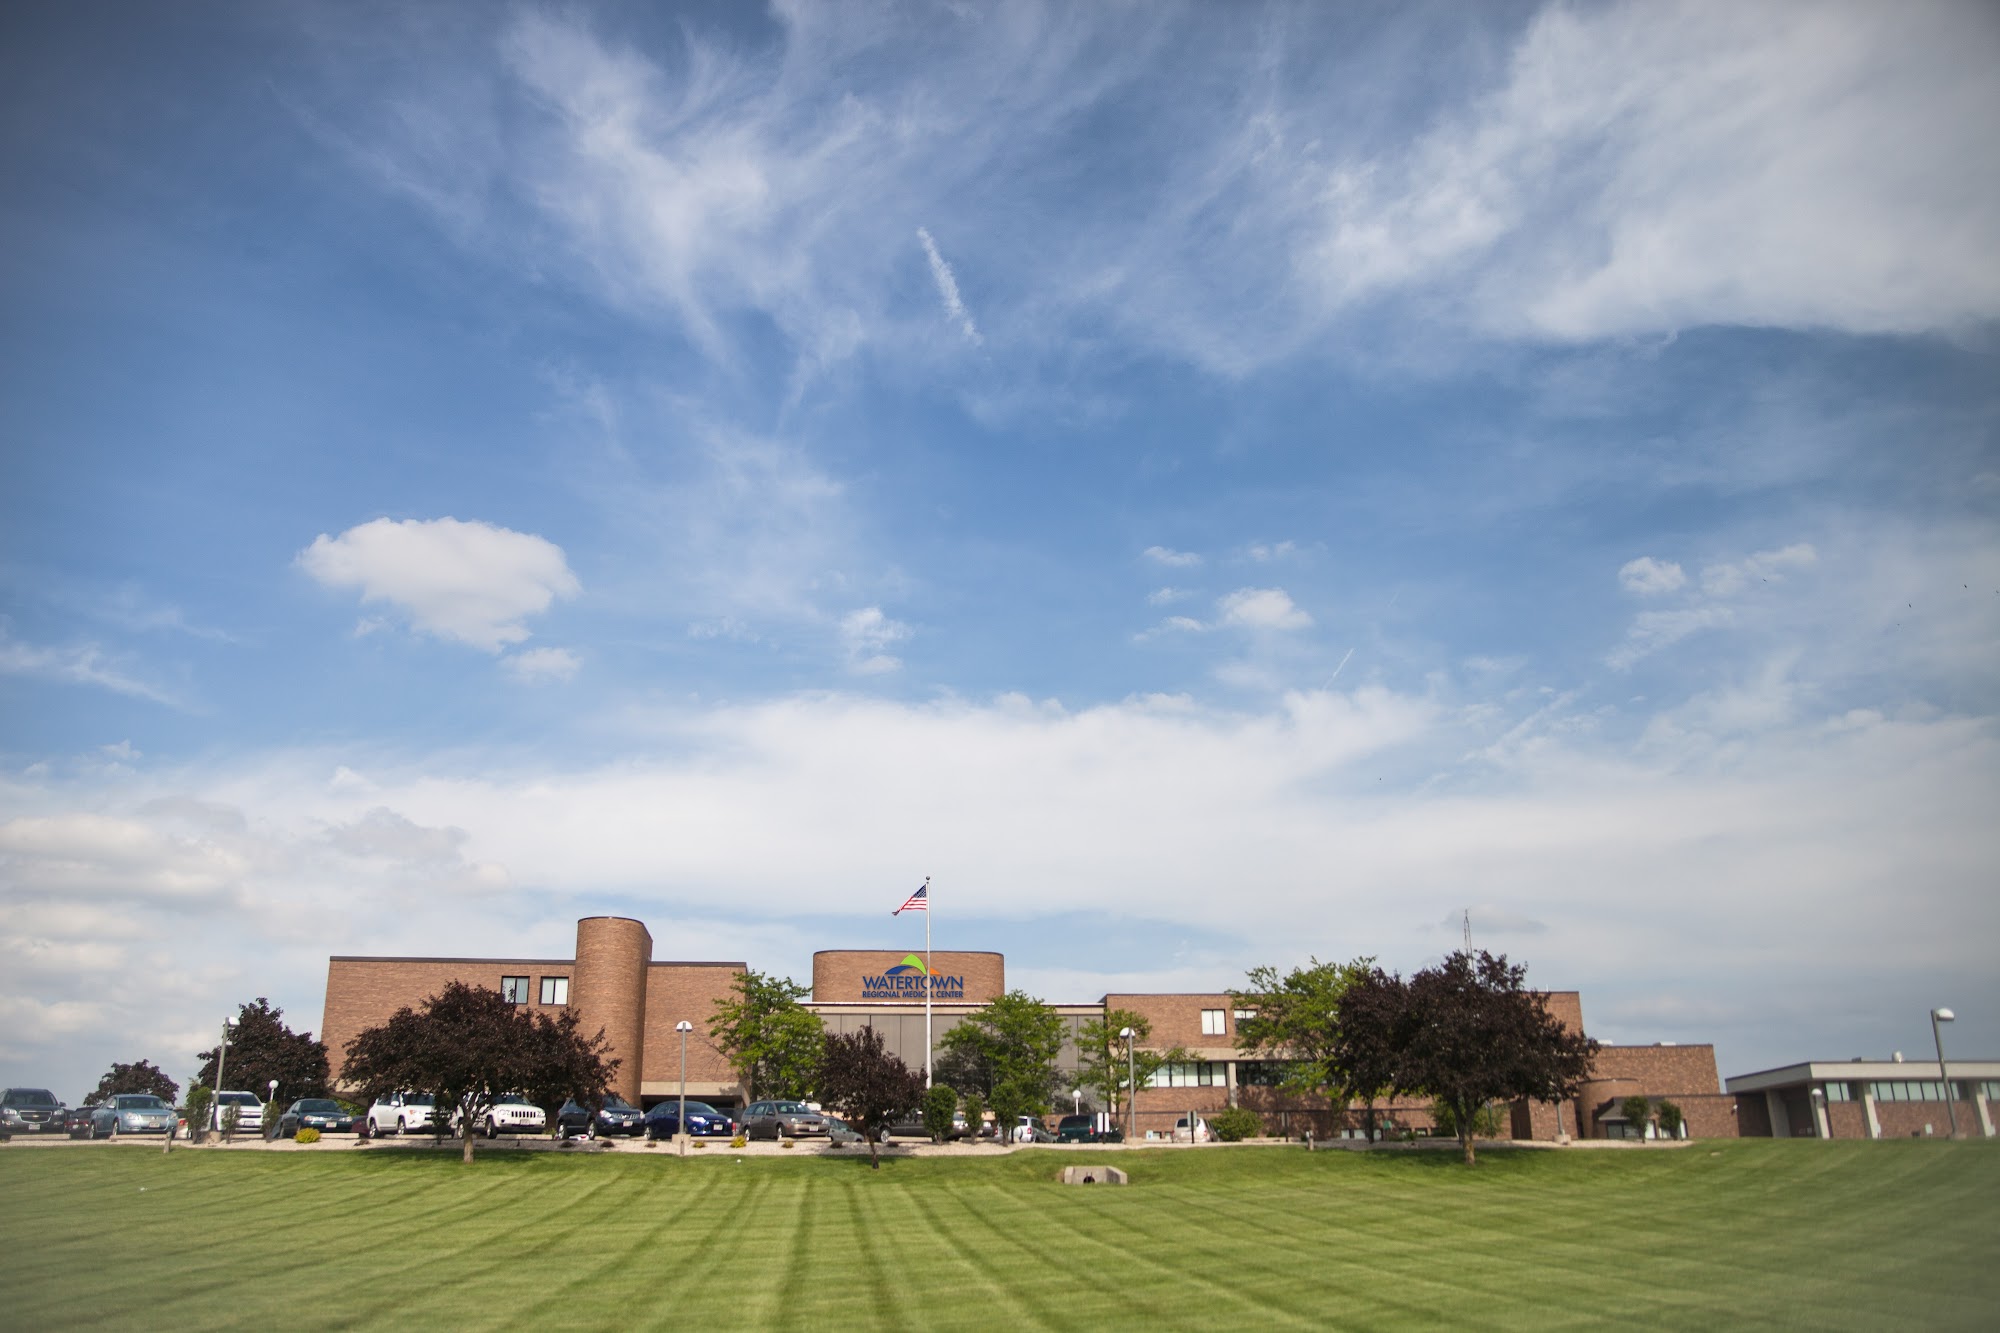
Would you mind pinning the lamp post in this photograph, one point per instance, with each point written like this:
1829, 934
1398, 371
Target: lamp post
1944, 1016
270, 1106
681, 1125
221, 1060
1131, 1083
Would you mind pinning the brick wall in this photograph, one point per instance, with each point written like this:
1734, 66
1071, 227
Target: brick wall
1900, 1120
612, 957
676, 991
365, 992
1176, 1021
1660, 1071
837, 975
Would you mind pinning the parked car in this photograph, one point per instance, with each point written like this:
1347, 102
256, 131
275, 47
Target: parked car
704, 1121
1028, 1129
31, 1111
77, 1121
1086, 1129
400, 1113
841, 1133
616, 1116
774, 1120
1199, 1133
510, 1113
320, 1113
131, 1113
249, 1111
913, 1127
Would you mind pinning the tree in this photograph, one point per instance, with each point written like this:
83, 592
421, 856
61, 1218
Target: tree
869, 1087
467, 1046
772, 1041
1670, 1118
1007, 1053
1472, 1033
1364, 1054
1295, 1018
940, 1103
1103, 1065
1637, 1110
141, 1076
262, 1048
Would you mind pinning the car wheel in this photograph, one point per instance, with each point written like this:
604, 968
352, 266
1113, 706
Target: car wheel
491, 1130
884, 1136
402, 1127
114, 1129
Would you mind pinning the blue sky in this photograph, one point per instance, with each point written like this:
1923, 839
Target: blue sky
1210, 486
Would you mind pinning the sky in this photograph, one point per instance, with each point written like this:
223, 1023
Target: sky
1208, 486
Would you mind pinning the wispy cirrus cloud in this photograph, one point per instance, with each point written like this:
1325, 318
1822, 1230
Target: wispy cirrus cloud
79, 664
947, 285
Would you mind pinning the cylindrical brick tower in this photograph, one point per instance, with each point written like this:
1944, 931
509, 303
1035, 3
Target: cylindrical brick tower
609, 992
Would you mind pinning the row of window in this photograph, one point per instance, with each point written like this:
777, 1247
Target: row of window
555, 990
1912, 1090
1193, 1074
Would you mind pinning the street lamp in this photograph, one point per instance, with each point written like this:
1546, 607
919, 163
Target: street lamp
1131, 1083
271, 1099
221, 1059
681, 1125
1944, 1016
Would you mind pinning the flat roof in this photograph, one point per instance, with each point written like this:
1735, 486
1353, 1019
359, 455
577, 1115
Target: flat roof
1867, 1071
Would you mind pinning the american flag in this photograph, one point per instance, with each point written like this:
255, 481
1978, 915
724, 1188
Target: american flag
920, 901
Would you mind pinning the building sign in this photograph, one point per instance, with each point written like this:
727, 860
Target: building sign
910, 980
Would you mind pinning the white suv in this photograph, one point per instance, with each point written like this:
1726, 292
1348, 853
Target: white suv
511, 1113
248, 1107
400, 1113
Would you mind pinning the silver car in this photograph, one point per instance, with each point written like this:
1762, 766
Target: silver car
131, 1113
782, 1120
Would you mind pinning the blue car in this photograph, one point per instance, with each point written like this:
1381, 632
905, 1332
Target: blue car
704, 1121
131, 1113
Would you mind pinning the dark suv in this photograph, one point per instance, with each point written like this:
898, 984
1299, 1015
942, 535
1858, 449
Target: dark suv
31, 1111
1083, 1129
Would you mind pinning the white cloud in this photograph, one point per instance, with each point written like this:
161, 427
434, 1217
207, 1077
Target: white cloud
85, 664
1167, 596
1262, 608
866, 633
947, 285
1651, 631
1265, 553
382, 832
1163, 555
1726, 580
1654, 166
1648, 577
94, 855
471, 582
536, 665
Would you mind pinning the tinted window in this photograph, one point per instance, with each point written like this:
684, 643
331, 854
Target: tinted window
318, 1104
29, 1097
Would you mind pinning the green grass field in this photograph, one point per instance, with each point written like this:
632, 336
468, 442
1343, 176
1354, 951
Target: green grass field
1827, 1235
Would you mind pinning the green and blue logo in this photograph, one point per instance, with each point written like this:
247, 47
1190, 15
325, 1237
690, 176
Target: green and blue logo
910, 979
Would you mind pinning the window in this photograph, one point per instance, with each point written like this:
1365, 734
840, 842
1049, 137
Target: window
1193, 1074
1910, 1090
1211, 1023
1837, 1092
1260, 1073
1245, 1015
555, 990
514, 990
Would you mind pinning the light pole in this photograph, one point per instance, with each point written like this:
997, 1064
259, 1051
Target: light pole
270, 1105
221, 1059
1944, 1016
681, 1125
1131, 1083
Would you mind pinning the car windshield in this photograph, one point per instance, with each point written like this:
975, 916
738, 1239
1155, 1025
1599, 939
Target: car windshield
319, 1105
237, 1099
793, 1108
419, 1099
138, 1101
29, 1097
616, 1103
511, 1099
699, 1108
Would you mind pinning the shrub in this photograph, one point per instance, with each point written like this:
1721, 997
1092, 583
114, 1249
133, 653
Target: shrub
306, 1136
740, 1141
1236, 1124
197, 1110
1637, 1111
939, 1103
1485, 1122
787, 1143
975, 1113
1670, 1119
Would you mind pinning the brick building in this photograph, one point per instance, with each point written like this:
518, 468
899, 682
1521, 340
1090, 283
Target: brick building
614, 983
1868, 1099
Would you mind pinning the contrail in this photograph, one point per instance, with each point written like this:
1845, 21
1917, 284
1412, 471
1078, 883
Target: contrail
1337, 670
947, 286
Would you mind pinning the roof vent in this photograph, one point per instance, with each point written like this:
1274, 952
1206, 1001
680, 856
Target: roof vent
1897, 1057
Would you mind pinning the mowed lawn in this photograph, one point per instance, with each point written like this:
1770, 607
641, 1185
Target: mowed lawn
1826, 1235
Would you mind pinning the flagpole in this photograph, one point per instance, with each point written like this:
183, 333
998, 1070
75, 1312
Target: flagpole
930, 979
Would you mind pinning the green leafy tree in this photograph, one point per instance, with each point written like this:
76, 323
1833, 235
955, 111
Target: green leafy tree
940, 1103
975, 1114
1007, 1053
139, 1076
1637, 1110
1102, 1063
774, 1043
262, 1048
1485, 1120
1293, 1018
1471, 1033
867, 1085
467, 1046
1670, 1118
